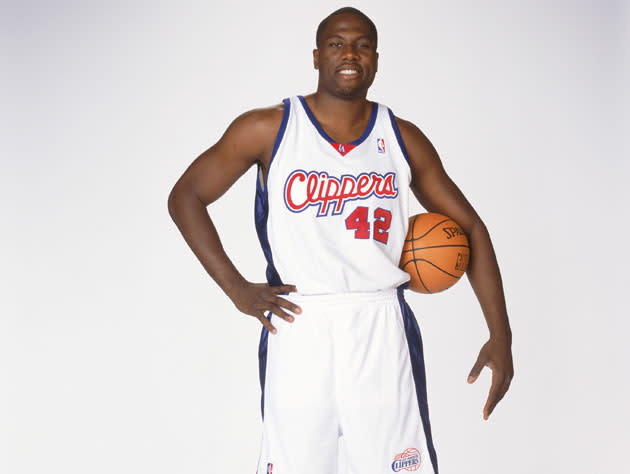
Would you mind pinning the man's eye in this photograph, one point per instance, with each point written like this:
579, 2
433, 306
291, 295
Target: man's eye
335, 45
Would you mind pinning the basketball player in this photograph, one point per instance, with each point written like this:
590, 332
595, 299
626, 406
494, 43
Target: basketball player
344, 356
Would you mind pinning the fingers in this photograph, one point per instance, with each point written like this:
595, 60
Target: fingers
476, 370
266, 323
282, 303
498, 357
276, 309
277, 305
498, 388
493, 397
283, 289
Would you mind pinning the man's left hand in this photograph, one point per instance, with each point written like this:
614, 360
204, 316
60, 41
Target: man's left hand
496, 354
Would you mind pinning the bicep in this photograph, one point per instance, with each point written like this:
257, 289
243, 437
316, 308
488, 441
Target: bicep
430, 183
213, 172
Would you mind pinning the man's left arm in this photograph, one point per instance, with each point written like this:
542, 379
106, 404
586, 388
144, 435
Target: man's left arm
436, 192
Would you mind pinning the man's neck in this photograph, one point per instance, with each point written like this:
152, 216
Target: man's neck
339, 111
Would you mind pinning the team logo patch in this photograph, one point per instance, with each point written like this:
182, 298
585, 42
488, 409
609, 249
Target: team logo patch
408, 460
380, 144
269, 468
316, 188
343, 148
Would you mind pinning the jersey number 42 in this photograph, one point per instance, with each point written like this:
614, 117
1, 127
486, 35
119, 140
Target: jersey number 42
358, 220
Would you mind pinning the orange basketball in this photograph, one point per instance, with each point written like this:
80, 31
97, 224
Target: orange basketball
435, 252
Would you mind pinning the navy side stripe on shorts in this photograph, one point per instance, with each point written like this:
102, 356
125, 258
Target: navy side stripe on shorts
414, 341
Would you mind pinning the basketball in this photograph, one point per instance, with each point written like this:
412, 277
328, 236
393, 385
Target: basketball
435, 252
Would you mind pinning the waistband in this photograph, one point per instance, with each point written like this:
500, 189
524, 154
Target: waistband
354, 297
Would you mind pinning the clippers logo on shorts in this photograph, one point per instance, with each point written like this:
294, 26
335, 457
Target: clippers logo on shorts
408, 460
269, 468
316, 188
380, 143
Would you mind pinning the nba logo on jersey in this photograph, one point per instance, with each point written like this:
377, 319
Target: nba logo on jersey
269, 468
380, 143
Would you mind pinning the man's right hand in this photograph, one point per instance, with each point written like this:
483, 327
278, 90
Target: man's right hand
256, 299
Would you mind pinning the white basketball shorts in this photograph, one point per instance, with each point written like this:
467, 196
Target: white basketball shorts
349, 365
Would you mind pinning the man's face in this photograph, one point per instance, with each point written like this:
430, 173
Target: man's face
346, 57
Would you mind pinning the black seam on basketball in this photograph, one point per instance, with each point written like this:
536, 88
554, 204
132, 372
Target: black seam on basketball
405, 265
414, 261
434, 265
422, 283
413, 227
440, 246
441, 222
417, 273
433, 247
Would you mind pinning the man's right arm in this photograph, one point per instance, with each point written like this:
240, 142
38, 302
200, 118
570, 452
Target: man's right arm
248, 139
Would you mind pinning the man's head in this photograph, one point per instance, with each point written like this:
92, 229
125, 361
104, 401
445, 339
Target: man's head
354, 11
346, 54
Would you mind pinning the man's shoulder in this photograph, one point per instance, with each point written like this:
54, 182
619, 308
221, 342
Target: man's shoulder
256, 128
263, 119
409, 130
405, 126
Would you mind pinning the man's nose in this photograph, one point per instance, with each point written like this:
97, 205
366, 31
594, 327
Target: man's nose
350, 51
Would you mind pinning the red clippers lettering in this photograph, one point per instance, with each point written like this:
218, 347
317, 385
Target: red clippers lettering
303, 189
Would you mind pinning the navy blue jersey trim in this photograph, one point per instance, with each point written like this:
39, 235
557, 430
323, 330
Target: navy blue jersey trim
321, 131
283, 127
414, 342
398, 135
279, 137
262, 364
261, 215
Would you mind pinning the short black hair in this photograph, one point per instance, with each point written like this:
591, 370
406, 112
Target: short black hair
359, 13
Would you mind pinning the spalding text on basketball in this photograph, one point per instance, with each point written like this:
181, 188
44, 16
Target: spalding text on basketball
452, 231
316, 188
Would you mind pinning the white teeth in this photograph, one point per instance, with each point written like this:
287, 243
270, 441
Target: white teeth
348, 71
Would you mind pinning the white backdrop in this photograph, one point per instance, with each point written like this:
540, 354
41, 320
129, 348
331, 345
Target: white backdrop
119, 354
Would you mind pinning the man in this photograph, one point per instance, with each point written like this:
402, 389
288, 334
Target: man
345, 354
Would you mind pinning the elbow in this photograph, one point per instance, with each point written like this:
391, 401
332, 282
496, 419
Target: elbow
478, 226
477, 229
170, 203
180, 198
173, 201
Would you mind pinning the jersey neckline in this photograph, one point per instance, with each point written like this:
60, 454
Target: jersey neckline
358, 141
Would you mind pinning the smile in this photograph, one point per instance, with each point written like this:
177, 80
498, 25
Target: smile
349, 72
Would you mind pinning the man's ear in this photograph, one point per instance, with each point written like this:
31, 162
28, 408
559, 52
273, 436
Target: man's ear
316, 58
376, 64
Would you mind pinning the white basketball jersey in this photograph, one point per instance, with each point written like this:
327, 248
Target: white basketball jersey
331, 217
